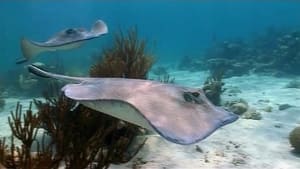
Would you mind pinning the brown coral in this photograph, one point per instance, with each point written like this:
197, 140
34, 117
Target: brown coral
24, 129
82, 138
213, 86
127, 58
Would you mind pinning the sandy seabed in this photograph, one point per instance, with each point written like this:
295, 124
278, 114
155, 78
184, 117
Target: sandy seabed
244, 144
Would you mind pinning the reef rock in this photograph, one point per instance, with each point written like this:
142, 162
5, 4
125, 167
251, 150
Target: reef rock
251, 113
268, 109
294, 138
284, 106
237, 106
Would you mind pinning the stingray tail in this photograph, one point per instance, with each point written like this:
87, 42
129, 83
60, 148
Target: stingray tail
99, 28
29, 49
42, 73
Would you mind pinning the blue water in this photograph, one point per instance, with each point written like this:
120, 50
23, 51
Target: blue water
172, 28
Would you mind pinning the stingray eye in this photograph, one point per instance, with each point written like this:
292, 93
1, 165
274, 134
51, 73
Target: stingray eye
70, 31
195, 94
192, 97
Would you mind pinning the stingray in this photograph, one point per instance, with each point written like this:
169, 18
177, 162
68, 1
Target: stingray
179, 114
64, 40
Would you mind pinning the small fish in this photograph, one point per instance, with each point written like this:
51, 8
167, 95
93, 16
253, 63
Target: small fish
179, 114
67, 39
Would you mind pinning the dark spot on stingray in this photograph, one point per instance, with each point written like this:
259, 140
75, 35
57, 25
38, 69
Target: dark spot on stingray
187, 97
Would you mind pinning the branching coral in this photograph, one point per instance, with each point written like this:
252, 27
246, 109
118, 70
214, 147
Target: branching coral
127, 58
3, 151
24, 129
82, 136
213, 86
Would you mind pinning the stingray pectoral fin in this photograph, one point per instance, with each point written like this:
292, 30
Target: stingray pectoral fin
88, 95
30, 49
99, 28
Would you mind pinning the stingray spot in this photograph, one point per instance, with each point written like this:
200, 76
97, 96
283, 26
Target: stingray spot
187, 97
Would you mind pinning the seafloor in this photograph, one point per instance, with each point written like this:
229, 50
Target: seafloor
245, 144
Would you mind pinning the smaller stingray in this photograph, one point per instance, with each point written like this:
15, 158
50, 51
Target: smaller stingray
179, 114
67, 39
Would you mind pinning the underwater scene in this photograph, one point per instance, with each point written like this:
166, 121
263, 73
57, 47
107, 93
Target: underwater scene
212, 84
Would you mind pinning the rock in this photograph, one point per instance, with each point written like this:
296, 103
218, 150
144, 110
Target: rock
278, 125
284, 106
238, 108
294, 138
268, 109
264, 101
251, 113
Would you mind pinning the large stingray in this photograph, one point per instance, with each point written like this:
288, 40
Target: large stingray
66, 39
179, 114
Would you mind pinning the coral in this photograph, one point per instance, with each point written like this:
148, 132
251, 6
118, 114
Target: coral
166, 79
24, 129
3, 151
287, 53
275, 52
213, 87
82, 136
238, 106
162, 75
251, 113
126, 58
294, 138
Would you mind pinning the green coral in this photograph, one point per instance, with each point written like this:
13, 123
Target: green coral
295, 139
